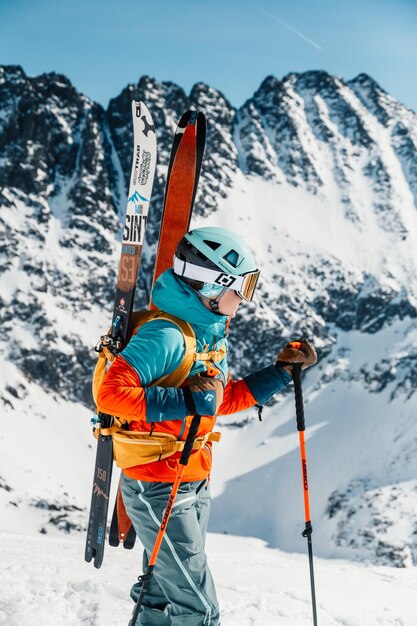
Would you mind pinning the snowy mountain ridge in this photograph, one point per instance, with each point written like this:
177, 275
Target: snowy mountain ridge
320, 176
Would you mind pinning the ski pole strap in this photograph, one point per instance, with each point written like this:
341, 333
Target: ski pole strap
298, 392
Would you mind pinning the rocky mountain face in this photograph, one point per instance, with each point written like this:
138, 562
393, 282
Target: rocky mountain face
319, 174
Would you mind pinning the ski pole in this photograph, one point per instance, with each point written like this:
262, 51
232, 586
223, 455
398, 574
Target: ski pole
185, 455
307, 532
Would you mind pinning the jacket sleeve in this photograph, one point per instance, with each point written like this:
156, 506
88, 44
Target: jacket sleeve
256, 388
236, 397
121, 392
266, 382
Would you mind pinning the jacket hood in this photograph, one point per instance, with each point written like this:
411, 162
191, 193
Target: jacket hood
172, 295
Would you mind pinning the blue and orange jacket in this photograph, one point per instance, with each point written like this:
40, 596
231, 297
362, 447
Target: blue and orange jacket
155, 351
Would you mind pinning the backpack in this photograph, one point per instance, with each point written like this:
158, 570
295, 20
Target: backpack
132, 448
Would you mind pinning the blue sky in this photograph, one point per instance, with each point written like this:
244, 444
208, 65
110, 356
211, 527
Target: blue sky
230, 44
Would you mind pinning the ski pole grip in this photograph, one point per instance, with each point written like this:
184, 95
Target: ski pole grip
298, 392
192, 433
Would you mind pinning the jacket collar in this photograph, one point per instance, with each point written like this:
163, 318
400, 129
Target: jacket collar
172, 295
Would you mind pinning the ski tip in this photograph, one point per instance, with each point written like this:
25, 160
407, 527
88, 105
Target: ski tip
201, 127
136, 108
191, 118
185, 118
139, 108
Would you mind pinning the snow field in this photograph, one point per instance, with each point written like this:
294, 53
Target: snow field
46, 582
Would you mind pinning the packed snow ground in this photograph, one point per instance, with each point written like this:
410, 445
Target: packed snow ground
45, 582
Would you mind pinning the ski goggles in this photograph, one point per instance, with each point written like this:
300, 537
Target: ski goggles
244, 285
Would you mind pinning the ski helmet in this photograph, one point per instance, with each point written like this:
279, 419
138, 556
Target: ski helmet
212, 260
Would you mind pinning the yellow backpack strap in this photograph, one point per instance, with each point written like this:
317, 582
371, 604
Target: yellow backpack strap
210, 358
200, 441
179, 375
215, 356
116, 426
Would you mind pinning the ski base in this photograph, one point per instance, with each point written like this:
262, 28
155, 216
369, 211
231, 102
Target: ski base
96, 531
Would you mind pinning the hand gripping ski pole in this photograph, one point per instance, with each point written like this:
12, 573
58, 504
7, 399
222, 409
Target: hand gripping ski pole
307, 532
185, 455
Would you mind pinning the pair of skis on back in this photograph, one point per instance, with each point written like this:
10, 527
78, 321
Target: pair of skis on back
181, 186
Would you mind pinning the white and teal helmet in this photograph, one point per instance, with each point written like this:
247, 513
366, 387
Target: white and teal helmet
213, 260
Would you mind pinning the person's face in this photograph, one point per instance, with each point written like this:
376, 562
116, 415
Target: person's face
229, 303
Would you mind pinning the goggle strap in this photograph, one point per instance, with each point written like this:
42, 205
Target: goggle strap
205, 275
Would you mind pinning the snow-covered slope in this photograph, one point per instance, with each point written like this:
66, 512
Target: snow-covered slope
256, 586
320, 176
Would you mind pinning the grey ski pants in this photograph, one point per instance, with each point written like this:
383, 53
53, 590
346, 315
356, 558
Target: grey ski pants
182, 591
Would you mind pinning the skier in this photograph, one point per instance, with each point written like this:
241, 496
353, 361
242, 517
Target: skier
213, 271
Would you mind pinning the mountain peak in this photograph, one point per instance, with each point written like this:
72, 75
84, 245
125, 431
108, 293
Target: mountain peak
12, 74
270, 83
367, 81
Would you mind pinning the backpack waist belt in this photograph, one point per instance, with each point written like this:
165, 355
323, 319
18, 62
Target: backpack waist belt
132, 447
